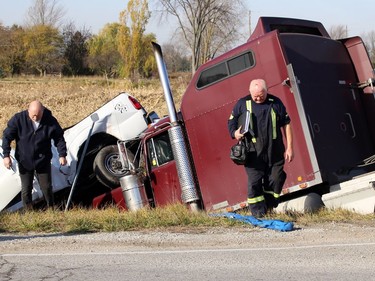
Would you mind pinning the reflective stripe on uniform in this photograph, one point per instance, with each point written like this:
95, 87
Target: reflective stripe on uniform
249, 107
273, 118
255, 199
275, 195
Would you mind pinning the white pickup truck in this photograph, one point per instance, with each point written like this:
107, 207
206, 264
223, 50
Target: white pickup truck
122, 118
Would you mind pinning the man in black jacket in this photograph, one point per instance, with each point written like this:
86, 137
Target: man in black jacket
33, 129
264, 166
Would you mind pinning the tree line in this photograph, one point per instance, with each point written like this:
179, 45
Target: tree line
204, 29
120, 49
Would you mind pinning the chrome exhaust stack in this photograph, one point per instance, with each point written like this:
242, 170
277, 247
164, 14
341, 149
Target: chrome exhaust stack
189, 192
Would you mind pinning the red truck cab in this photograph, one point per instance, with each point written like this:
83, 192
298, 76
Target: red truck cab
326, 86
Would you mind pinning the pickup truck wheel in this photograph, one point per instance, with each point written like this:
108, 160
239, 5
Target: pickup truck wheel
108, 168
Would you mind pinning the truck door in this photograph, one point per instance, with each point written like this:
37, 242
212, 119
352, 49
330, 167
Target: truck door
334, 110
162, 170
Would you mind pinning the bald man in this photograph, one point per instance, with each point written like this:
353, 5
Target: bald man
264, 166
33, 130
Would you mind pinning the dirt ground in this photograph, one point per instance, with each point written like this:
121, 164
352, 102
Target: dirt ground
245, 236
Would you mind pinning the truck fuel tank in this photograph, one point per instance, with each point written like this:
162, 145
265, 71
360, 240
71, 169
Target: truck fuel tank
134, 192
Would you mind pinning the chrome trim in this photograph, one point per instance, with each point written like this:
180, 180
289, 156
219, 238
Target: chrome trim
305, 127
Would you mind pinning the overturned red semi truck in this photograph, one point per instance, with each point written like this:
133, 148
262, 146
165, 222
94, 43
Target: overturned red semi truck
327, 87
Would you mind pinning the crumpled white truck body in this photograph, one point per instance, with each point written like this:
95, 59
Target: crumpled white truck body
118, 118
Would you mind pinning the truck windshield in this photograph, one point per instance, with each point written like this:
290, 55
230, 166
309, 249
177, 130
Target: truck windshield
159, 150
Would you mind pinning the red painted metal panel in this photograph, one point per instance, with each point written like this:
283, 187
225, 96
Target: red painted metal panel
164, 178
115, 196
364, 70
165, 183
360, 59
206, 113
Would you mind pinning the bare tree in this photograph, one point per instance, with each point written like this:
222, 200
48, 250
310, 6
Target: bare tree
45, 12
208, 27
369, 39
175, 58
338, 31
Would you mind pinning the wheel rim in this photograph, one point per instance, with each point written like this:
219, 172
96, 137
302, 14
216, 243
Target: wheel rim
113, 165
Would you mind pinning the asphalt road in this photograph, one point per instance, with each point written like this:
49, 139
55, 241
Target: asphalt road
320, 252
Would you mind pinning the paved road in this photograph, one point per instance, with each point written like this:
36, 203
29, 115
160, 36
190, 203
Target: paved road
330, 252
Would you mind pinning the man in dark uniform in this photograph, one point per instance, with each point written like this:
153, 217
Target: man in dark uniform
33, 129
265, 164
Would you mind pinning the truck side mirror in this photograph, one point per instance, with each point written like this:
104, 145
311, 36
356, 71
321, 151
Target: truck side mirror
152, 117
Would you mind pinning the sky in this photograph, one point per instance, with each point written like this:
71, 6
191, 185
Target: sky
357, 16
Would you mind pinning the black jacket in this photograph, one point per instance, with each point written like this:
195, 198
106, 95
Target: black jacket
33, 147
262, 125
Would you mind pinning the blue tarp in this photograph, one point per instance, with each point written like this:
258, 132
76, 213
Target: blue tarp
271, 224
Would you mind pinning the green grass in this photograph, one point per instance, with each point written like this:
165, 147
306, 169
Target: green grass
111, 219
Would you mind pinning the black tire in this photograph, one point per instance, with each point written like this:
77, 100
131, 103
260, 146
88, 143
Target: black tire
108, 168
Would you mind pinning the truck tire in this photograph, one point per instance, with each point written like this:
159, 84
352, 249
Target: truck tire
313, 203
108, 168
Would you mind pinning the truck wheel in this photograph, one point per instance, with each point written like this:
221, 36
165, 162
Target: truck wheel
313, 203
108, 168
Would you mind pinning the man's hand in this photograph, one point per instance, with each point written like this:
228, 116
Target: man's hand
237, 134
7, 162
62, 161
289, 154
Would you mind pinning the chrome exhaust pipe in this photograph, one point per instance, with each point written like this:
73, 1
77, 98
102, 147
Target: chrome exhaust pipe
165, 83
189, 192
184, 171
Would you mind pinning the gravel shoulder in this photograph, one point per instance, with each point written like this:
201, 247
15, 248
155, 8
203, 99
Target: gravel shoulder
188, 238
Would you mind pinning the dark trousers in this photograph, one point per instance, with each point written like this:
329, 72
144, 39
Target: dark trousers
43, 176
264, 184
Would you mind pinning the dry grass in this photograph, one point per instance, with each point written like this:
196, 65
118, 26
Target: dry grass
172, 217
72, 99
327, 215
109, 219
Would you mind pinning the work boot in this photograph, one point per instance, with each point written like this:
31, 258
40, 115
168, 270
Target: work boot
258, 210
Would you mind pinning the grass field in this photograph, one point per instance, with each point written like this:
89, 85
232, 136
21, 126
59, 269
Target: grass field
72, 99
